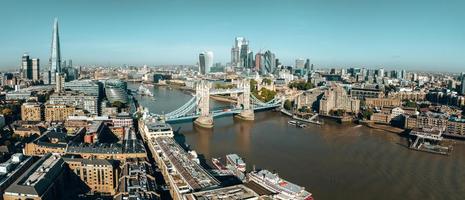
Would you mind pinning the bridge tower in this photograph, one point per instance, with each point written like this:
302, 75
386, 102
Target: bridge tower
202, 91
243, 101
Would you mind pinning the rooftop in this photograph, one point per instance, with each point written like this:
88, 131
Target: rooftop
231, 192
195, 176
36, 180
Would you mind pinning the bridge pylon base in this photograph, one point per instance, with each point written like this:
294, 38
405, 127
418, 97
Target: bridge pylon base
247, 115
204, 122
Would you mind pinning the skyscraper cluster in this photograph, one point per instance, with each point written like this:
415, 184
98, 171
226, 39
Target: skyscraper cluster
242, 57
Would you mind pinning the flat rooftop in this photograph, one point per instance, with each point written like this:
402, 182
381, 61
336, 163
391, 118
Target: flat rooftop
231, 192
195, 176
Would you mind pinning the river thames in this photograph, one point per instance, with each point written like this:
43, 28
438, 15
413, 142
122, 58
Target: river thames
333, 161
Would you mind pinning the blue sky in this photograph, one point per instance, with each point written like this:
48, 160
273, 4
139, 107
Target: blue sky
414, 35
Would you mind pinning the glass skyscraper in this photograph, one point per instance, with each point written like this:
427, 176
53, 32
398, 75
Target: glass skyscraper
55, 56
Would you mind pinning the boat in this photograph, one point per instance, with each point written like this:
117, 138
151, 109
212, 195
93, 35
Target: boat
143, 91
236, 162
302, 125
218, 165
284, 189
292, 122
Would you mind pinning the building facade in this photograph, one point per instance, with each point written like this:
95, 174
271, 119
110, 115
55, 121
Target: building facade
101, 176
58, 112
31, 111
77, 100
336, 98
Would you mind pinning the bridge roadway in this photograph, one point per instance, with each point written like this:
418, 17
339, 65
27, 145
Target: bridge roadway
217, 113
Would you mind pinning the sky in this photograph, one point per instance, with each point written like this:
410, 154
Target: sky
412, 35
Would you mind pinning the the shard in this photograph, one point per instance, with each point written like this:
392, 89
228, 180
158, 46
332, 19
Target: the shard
55, 57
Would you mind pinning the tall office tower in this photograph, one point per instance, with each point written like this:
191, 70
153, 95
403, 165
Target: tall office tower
70, 63
244, 54
403, 74
205, 62
270, 62
462, 84
258, 62
35, 69
202, 63
311, 67
208, 61
250, 58
299, 63
380, 73
55, 56
26, 67
307, 64
236, 51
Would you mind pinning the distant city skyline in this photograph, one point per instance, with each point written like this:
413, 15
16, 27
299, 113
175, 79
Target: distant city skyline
414, 35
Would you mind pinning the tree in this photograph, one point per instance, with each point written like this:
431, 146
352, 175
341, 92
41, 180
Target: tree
410, 104
266, 81
338, 112
7, 88
301, 85
288, 104
7, 112
366, 114
253, 85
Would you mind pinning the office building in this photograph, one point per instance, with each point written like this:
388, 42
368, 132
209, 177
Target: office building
44, 180
205, 62
100, 175
270, 62
77, 100
380, 73
299, 63
307, 64
259, 62
35, 69
26, 67
250, 60
88, 87
462, 84
116, 90
235, 51
244, 54
55, 56
31, 111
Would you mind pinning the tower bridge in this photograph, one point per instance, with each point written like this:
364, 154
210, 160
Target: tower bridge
198, 107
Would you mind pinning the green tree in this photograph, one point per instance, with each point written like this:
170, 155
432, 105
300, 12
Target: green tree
288, 104
338, 112
366, 114
301, 85
410, 104
266, 81
253, 85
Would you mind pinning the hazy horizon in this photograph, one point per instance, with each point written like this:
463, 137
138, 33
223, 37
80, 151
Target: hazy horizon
415, 35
